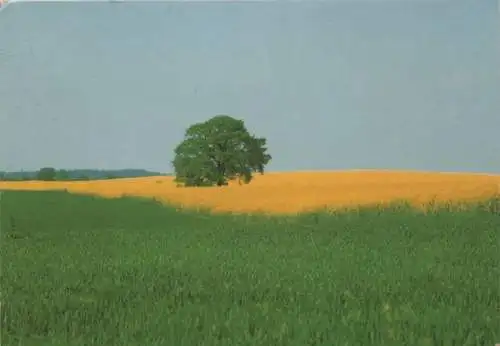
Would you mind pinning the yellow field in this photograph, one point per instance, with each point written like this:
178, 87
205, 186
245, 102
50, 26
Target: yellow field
293, 192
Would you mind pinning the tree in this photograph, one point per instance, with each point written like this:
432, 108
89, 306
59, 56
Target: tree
218, 150
46, 174
62, 174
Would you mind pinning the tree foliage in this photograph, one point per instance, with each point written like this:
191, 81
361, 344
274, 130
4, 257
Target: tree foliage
62, 174
218, 150
46, 174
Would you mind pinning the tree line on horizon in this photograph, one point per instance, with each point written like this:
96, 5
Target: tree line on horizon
52, 174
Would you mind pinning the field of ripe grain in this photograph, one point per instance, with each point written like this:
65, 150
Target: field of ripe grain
295, 191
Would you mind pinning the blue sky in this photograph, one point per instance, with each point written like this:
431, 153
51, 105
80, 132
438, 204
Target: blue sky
332, 85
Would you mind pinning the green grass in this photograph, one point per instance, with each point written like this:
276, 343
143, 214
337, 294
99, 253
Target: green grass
81, 270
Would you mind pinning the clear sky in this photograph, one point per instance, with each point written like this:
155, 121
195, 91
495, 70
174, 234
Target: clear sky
332, 85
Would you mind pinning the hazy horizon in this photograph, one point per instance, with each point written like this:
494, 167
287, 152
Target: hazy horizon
406, 85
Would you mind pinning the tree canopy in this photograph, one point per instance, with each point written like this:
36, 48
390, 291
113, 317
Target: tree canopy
218, 150
46, 174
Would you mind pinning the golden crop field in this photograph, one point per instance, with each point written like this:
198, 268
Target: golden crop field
293, 192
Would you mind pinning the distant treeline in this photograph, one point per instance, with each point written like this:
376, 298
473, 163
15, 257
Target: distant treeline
48, 173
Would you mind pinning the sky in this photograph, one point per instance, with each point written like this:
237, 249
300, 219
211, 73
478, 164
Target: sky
331, 85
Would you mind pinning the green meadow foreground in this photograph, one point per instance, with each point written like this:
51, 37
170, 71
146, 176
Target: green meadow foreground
82, 270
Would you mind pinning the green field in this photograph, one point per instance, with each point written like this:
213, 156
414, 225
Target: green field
81, 270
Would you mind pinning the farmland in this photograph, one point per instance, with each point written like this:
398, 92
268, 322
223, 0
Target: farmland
285, 193
86, 270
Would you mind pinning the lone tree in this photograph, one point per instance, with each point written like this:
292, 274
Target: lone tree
46, 174
218, 150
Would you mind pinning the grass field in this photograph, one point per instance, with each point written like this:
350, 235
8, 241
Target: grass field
285, 193
84, 270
